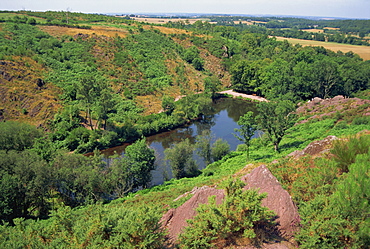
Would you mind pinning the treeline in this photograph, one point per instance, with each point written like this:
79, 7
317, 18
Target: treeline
62, 17
275, 69
350, 31
346, 26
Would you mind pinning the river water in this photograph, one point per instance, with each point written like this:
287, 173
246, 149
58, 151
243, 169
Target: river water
221, 122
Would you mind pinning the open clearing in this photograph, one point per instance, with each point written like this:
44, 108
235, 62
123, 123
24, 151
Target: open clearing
362, 51
98, 30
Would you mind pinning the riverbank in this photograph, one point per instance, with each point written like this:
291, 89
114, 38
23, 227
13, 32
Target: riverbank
247, 96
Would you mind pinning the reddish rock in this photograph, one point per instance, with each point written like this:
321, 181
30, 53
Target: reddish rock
278, 199
175, 219
260, 178
315, 147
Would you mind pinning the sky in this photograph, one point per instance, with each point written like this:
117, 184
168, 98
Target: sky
322, 8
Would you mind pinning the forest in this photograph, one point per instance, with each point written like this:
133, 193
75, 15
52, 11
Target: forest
72, 83
355, 32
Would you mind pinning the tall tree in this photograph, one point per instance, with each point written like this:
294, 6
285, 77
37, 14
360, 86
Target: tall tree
275, 118
220, 148
211, 85
180, 157
325, 77
204, 146
248, 127
140, 160
89, 90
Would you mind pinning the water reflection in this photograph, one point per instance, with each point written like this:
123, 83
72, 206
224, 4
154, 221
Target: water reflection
221, 122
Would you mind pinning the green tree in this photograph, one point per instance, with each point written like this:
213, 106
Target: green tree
105, 103
89, 90
180, 157
275, 118
211, 85
248, 126
220, 148
246, 75
203, 146
17, 136
325, 77
140, 161
168, 104
198, 63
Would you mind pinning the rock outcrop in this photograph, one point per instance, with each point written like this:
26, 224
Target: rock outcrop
278, 199
175, 219
319, 108
260, 178
315, 148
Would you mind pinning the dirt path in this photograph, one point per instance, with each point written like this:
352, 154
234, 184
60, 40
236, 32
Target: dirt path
235, 94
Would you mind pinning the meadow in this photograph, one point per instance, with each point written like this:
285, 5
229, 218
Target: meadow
362, 51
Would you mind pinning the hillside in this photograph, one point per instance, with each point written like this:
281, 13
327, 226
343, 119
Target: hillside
114, 50
315, 175
73, 83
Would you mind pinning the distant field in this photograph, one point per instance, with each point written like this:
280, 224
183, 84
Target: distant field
330, 28
165, 20
248, 22
314, 30
11, 15
362, 51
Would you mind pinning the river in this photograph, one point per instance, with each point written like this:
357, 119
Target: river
221, 122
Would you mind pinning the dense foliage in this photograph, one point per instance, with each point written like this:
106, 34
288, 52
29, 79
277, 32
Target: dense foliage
50, 197
239, 216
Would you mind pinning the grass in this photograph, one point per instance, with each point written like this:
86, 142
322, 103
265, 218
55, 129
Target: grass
95, 30
362, 51
12, 15
23, 100
166, 20
237, 165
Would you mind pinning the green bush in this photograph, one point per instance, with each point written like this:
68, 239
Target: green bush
345, 152
239, 216
220, 148
364, 120
340, 220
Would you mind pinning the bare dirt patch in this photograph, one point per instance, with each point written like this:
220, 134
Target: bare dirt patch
235, 94
95, 30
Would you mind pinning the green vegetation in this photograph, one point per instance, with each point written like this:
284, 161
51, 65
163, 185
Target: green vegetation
247, 129
337, 215
274, 119
239, 216
89, 89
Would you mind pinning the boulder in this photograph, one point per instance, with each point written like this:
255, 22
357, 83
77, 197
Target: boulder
260, 178
175, 219
315, 148
278, 199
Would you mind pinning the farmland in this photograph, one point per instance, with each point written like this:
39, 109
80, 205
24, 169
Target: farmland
362, 51
166, 20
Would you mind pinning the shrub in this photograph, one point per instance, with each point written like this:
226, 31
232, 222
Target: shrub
239, 216
361, 120
242, 147
345, 151
219, 149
